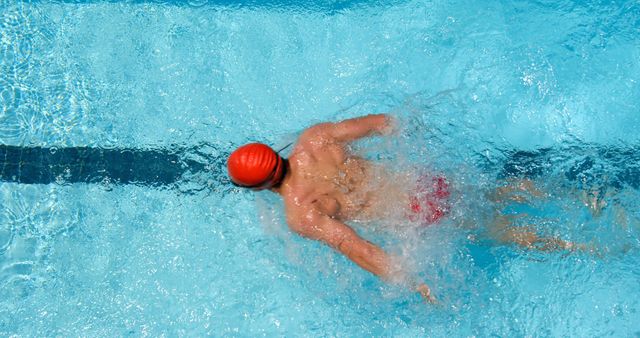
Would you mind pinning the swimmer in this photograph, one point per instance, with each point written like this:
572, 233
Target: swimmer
323, 186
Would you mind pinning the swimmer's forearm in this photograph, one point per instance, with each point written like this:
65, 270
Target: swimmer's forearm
378, 123
365, 254
368, 256
381, 124
373, 259
345, 240
352, 129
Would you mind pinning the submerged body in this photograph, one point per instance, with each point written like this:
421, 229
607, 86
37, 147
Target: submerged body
324, 186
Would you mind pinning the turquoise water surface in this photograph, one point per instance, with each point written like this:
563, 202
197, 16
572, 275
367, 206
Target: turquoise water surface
483, 91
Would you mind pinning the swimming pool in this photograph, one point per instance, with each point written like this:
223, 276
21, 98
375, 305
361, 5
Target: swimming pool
94, 91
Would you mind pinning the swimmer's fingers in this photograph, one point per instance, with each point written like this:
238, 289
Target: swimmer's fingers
425, 292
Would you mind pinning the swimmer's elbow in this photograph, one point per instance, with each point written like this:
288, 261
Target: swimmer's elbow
343, 245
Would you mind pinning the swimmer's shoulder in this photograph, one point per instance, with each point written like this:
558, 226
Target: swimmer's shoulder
300, 214
304, 152
298, 196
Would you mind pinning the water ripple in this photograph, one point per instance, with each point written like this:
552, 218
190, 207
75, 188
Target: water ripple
42, 96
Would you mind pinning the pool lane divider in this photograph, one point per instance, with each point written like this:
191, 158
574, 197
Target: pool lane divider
205, 165
147, 167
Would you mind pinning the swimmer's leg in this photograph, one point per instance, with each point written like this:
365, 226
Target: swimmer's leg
503, 231
530, 240
516, 190
502, 228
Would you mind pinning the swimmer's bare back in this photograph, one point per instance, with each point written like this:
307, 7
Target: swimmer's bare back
319, 193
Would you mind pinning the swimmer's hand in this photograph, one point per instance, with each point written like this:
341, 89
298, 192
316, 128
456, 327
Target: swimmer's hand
425, 292
390, 126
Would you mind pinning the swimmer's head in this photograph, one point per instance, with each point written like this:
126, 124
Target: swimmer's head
256, 166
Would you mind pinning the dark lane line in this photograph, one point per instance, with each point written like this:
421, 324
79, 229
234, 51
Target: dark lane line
205, 166
149, 167
586, 165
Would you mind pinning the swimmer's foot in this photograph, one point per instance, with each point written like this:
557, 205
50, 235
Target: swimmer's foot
589, 248
526, 237
556, 244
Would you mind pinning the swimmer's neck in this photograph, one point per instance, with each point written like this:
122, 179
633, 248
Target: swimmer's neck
285, 180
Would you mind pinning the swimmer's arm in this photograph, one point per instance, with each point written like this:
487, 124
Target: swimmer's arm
362, 252
353, 129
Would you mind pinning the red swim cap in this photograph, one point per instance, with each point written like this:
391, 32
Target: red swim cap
255, 165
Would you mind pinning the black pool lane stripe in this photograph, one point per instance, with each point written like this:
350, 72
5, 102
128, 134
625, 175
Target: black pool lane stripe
152, 167
586, 165
202, 165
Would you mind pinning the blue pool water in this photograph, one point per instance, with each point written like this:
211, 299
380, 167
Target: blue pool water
117, 218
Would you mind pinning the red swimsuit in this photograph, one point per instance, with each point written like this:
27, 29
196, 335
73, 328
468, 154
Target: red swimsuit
430, 203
